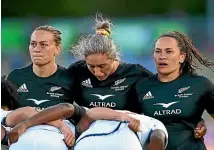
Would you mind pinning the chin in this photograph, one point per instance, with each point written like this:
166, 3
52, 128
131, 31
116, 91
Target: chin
164, 71
102, 79
38, 63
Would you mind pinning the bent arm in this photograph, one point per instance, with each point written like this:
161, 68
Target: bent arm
101, 113
157, 140
19, 115
51, 114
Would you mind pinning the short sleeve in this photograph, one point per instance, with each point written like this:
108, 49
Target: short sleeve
144, 72
12, 76
78, 113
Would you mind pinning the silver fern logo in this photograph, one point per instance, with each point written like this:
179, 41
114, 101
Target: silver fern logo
55, 88
181, 90
119, 81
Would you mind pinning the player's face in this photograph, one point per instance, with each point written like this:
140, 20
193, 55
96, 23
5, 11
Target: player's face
100, 65
42, 48
167, 56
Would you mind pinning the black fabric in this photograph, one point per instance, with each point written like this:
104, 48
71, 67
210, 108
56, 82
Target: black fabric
179, 104
78, 113
3, 122
116, 92
42, 92
5, 140
191, 144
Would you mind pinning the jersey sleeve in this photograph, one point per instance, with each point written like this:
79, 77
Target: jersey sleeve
74, 71
12, 77
144, 72
209, 96
78, 113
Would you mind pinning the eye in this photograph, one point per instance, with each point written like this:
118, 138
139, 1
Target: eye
44, 45
90, 66
157, 51
33, 44
102, 66
169, 52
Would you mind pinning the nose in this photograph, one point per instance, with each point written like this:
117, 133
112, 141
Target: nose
37, 49
97, 71
162, 56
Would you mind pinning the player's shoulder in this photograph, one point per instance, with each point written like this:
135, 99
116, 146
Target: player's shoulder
147, 81
134, 69
19, 72
78, 66
197, 79
207, 83
62, 71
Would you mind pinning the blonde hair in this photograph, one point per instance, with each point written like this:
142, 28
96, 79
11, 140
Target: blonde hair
56, 33
101, 42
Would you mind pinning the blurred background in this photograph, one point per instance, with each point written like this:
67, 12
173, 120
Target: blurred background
137, 24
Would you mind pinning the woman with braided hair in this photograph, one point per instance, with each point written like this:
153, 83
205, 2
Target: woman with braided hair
176, 95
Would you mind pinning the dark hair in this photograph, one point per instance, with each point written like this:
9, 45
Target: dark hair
101, 42
56, 33
186, 46
9, 97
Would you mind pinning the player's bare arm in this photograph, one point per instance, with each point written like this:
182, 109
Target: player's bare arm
157, 140
100, 113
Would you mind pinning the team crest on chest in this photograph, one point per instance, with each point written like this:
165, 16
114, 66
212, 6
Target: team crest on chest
116, 86
119, 81
181, 93
55, 88
53, 92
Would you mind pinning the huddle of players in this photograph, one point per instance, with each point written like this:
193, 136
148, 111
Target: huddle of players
100, 79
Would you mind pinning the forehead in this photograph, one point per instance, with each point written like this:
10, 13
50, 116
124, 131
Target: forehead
41, 35
97, 59
166, 42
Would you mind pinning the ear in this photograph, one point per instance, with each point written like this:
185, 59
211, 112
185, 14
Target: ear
58, 49
182, 57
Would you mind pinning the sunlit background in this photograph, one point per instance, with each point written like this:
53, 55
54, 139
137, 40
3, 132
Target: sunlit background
137, 24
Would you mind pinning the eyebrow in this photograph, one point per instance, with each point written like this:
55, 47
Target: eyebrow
164, 49
96, 65
39, 41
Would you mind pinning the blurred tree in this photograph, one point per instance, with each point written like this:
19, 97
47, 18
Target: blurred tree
29, 8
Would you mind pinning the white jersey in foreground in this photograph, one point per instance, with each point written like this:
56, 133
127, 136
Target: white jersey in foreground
115, 135
40, 137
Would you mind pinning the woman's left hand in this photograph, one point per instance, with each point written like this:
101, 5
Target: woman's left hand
200, 129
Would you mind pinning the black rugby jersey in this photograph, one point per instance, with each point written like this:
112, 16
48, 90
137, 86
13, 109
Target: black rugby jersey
116, 92
179, 104
41, 92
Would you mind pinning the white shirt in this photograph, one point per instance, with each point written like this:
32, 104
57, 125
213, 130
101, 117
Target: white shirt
115, 135
40, 137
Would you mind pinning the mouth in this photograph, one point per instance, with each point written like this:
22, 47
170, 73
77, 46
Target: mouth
101, 78
162, 65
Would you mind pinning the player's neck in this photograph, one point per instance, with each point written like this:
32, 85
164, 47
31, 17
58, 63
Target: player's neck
168, 77
115, 66
46, 70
